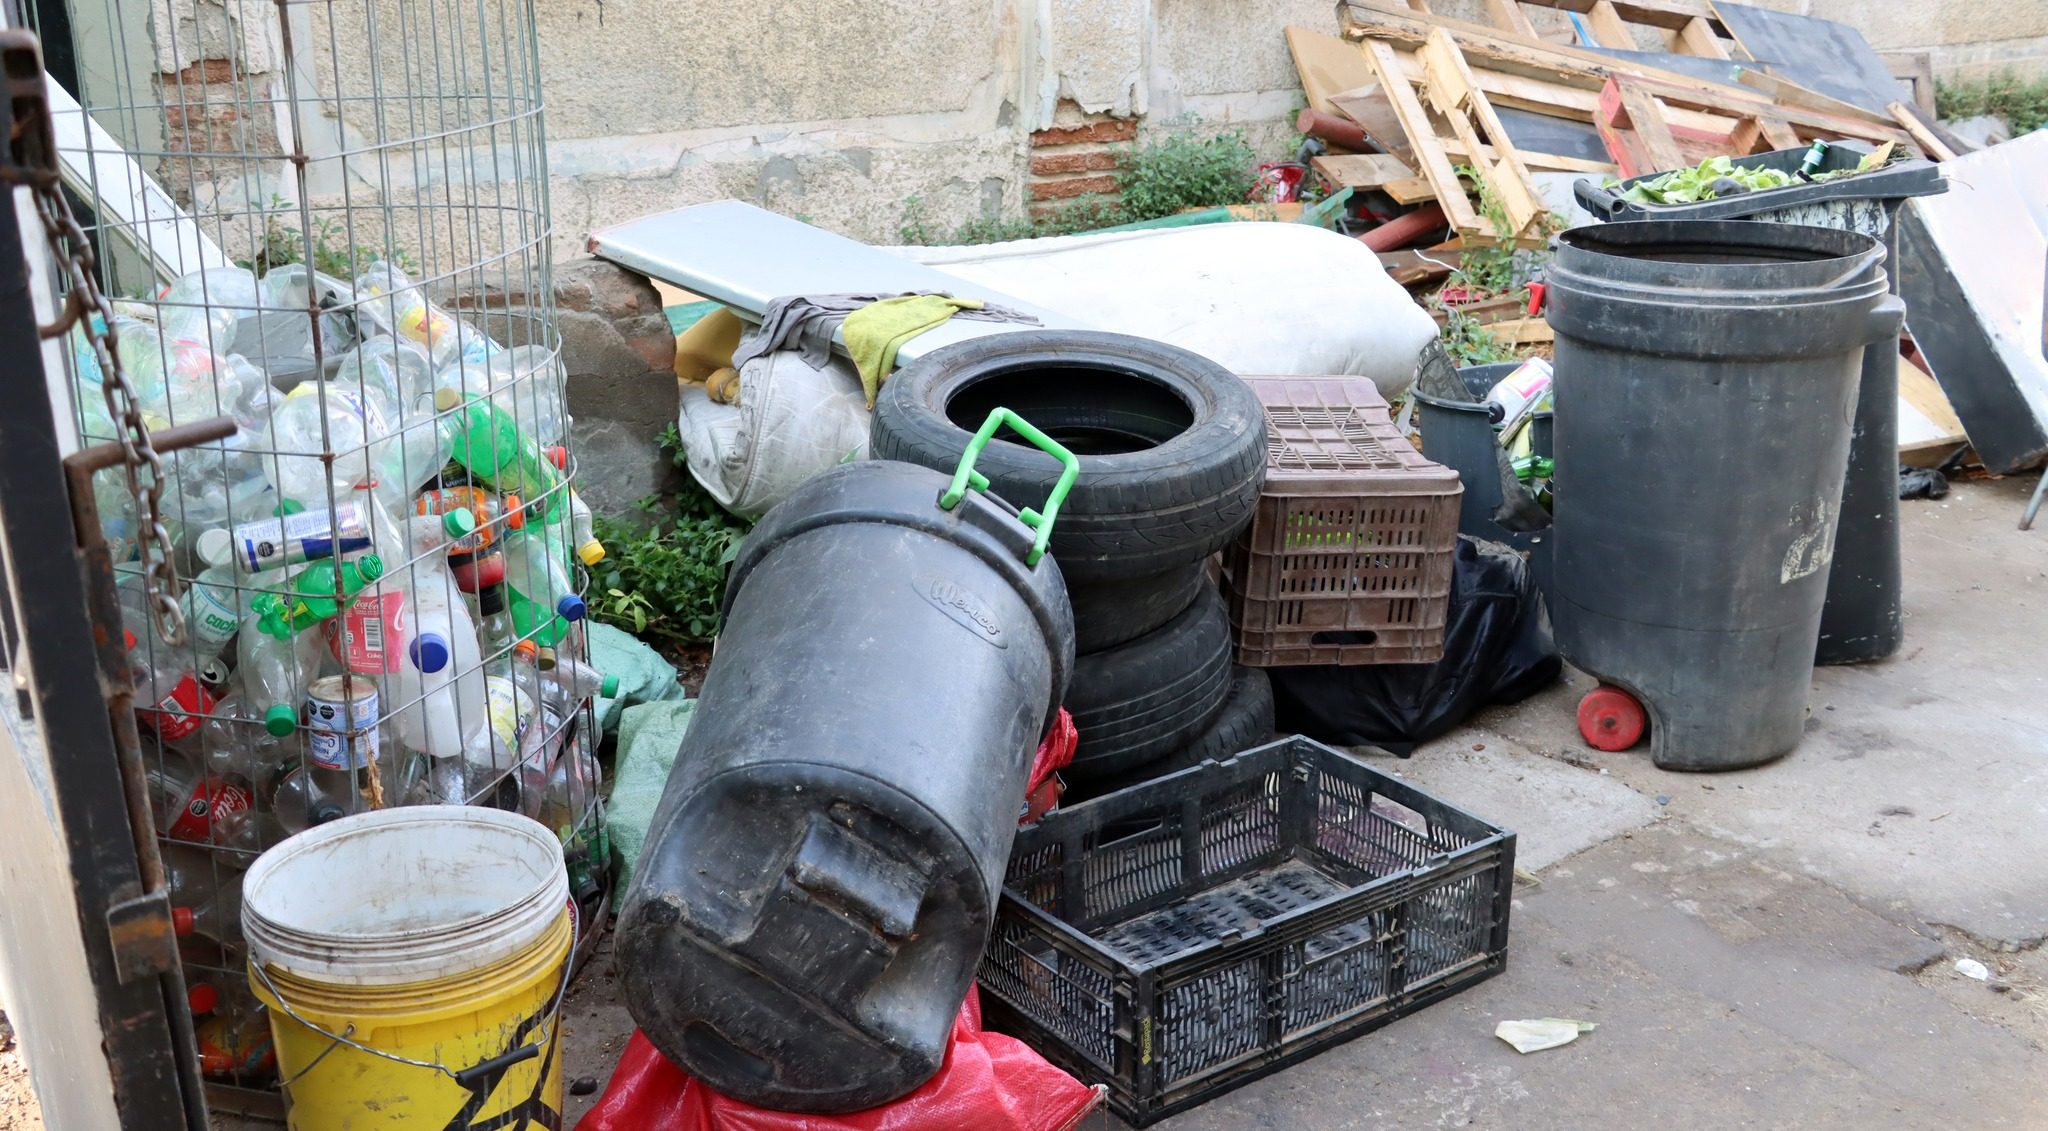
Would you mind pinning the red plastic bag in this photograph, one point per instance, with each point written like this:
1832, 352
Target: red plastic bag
1054, 754
989, 1082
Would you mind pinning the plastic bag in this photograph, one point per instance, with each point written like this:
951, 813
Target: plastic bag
989, 1082
1497, 649
792, 422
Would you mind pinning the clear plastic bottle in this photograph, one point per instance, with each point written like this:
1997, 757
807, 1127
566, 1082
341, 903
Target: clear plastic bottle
215, 607
569, 682
206, 897
528, 384
299, 536
495, 515
542, 596
275, 674
200, 808
170, 698
317, 418
235, 742
313, 795
204, 305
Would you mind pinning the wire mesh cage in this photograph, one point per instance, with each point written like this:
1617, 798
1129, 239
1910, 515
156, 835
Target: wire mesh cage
328, 221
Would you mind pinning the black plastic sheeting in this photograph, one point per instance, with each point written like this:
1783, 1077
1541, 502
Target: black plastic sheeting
1497, 649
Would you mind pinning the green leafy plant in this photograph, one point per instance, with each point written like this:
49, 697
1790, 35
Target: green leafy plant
1179, 171
2023, 103
333, 254
1159, 178
665, 582
1469, 343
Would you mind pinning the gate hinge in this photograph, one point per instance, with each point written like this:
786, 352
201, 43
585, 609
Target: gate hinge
141, 932
31, 155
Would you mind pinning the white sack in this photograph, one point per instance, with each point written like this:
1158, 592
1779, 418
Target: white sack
792, 422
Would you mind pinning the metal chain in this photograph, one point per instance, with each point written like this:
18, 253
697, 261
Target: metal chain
87, 308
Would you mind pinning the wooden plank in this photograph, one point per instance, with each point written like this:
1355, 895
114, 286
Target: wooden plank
1786, 92
1523, 331
1916, 70
1697, 38
1828, 57
1457, 96
1508, 16
1413, 190
1489, 49
1777, 134
1368, 106
1670, 15
1539, 96
1807, 122
1920, 390
1607, 28
1411, 267
1327, 66
1422, 140
1931, 145
1632, 121
1547, 162
1362, 171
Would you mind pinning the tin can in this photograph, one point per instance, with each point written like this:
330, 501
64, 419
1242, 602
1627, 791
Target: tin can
343, 726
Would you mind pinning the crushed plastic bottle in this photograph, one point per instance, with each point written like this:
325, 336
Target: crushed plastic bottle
542, 597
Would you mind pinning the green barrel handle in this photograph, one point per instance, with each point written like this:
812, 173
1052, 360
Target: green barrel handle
966, 476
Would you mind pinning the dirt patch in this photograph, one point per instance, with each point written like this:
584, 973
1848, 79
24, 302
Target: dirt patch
18, 1108
2015, 994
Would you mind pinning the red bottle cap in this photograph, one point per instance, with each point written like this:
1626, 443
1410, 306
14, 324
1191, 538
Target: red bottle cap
559, 456
181, 921
202, 998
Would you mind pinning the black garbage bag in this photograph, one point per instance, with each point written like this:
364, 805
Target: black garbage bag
1497, 649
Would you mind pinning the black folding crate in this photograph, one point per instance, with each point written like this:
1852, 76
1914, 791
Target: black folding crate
1183, 937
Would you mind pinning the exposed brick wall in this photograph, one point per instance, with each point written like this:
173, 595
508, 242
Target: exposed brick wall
1075, 161
218, 125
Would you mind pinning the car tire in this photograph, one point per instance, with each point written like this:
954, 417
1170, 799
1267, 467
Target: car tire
1142, 700
1172, 446
1109, 613
1245, 721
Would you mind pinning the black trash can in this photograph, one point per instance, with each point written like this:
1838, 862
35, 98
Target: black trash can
1706, 386
1458, 434
823, 868
1863, 619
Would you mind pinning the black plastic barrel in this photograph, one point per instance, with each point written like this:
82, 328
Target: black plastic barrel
1706, 388
1864, 618
1458, 434
823, 869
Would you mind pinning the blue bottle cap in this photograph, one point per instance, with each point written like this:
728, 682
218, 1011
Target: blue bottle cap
429, 652
571, 607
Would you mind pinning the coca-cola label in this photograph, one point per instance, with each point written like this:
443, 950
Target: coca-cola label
210, 800
179, 714
370, 635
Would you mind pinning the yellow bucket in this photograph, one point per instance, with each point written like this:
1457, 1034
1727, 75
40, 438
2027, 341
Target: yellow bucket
413, 961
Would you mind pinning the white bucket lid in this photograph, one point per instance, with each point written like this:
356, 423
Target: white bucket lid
404, 895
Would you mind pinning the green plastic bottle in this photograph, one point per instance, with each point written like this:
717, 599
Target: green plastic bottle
489, 443
312, 598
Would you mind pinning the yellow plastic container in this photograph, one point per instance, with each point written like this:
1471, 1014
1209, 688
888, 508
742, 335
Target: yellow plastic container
446, 988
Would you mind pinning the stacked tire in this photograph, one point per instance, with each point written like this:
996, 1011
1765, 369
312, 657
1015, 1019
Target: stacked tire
1173, 455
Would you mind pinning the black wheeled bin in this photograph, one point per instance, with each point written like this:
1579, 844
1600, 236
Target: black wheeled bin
1863, 619
824, 866
1706, 386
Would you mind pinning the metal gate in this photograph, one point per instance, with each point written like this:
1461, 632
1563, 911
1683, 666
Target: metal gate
88, 964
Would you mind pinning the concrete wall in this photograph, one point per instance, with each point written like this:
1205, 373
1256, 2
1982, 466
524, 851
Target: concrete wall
836, 113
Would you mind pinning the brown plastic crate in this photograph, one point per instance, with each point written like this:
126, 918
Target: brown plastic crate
1348, 560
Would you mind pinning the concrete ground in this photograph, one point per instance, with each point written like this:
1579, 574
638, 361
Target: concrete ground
1771, 948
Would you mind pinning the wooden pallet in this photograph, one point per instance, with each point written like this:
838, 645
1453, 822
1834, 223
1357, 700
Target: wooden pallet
1636, 124
1440, 75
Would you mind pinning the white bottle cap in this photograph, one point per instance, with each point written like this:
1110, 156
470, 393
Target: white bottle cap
216, 546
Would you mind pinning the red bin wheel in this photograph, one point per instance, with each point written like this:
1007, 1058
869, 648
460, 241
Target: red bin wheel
1611, 719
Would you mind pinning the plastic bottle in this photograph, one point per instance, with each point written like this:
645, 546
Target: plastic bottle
198, 807
314, 795
526, 383
489, 442
1515, 396
275, 674
206, 899
574, 780
170, 699
495, 515
418, 447
570, 681
582, 524
432, 669
542, 597
494, 619
389, 300
317, 418
233, 1035
204, 305
307, 535
235, 743
313, 597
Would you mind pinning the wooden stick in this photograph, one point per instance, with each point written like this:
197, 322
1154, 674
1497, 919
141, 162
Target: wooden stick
1422, 140
1929, 144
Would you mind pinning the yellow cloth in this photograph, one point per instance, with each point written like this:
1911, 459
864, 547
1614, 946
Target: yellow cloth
876, 331
705, 346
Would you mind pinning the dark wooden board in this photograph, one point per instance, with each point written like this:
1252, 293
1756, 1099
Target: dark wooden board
1818, 54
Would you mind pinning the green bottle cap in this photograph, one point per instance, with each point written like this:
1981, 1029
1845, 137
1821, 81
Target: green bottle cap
459, 523
609, 689
369, 567
280, 720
